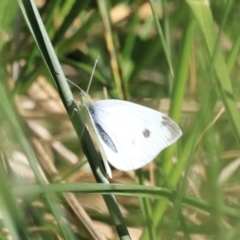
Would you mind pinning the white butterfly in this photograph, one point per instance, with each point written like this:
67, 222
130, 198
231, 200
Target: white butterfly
128, 135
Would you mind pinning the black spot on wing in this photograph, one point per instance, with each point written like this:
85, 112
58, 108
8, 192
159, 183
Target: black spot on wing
105, 137
146, 133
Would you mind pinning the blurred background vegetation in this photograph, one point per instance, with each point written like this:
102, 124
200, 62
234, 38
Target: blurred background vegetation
179, 57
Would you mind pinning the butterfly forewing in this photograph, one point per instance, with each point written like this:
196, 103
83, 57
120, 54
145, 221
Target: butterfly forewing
133, 135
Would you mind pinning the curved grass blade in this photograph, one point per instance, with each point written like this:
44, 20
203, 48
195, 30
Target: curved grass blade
204, 17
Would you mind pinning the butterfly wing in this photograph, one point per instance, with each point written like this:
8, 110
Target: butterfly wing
131, 135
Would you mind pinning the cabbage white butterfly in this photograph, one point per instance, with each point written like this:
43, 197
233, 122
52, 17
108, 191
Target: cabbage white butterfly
128, 135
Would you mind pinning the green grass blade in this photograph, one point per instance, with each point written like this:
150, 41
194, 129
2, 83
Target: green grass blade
121, 189
160, 32
203, 15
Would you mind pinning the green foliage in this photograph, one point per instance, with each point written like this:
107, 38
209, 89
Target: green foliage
175, 56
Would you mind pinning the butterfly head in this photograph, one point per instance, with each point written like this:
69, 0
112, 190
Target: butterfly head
85, 99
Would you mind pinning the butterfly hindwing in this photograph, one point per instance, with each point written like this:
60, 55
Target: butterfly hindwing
87, 118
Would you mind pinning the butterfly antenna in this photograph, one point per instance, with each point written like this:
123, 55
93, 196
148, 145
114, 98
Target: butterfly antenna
74, 85
94, 67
